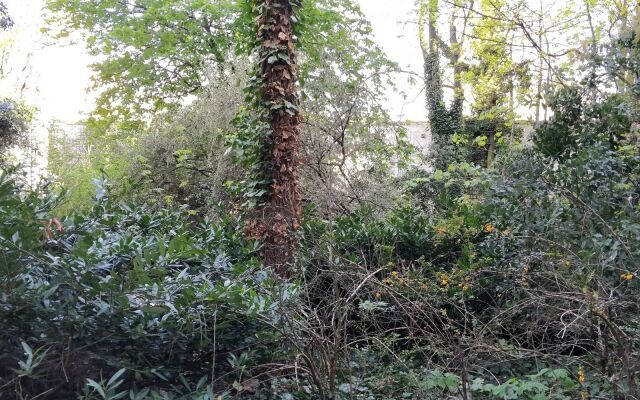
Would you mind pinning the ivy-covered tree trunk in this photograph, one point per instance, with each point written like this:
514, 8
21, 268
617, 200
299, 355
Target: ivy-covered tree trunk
443, 121
276, 221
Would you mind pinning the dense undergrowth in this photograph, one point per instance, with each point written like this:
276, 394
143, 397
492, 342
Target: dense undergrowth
514, 282
87, 293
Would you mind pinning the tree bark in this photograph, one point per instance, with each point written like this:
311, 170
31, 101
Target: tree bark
275, 222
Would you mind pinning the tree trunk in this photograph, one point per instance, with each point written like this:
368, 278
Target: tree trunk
540, 68
443, 121
456, 54
491, 151
275, 222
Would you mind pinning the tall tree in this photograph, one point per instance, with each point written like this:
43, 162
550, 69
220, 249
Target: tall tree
156, 53
444, 120
276, 221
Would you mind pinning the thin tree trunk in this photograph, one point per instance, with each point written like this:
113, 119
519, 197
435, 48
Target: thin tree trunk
540, 68
491, 151
549, 71
430, 54
539, 92
456, 53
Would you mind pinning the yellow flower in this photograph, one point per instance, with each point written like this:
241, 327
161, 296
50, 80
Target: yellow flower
425, 286
401, 281
378, 295
443, 312
567, 263
444, 280
394, 274
627, 277
489, 228
581, 377
387, 281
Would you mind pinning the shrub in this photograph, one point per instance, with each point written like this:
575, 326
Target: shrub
128, 286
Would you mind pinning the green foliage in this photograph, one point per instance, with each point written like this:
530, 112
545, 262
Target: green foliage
335, 44
494, 75
364, 238
156, 52
500, 246
127, 278
185, 156
590, 114
482, 138
496, 81
192, 39
15, 118
576, 125
107, 389
546, 384
181, 157
77, 170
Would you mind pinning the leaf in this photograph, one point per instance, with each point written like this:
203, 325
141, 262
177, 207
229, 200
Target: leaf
118, 395
238, 386
115, 377
47, 293
27, 349
368, 305
97, 387
141, 395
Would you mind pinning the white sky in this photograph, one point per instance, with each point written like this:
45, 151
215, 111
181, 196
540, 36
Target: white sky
58, 77
399, 39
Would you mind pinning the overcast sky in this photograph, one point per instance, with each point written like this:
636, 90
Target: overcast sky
398, 37
58, 77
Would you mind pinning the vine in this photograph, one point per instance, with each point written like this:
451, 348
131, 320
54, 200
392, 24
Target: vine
267, 139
